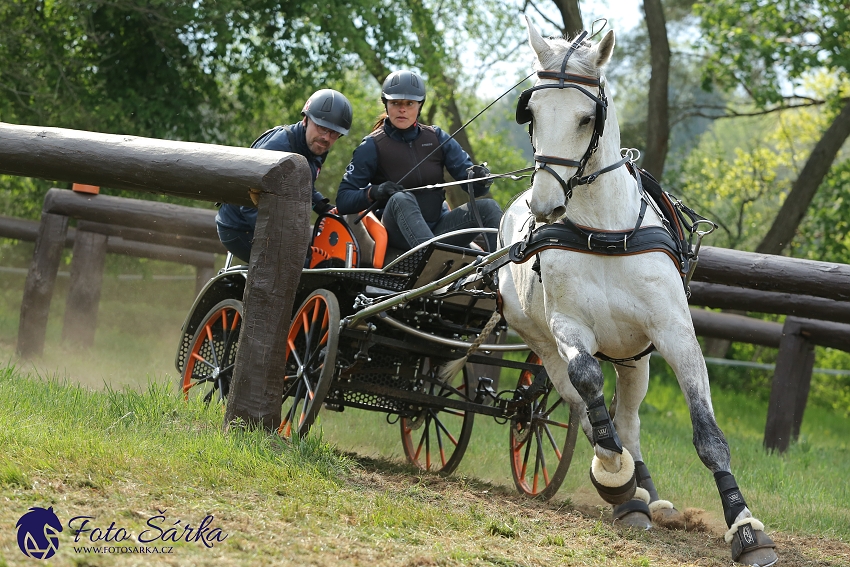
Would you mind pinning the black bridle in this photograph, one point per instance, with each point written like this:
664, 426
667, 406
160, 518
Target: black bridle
569, 81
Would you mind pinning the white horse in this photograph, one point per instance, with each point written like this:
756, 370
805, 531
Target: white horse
570, 307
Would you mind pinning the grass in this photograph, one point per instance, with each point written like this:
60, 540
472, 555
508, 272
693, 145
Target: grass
804, 491
104, 433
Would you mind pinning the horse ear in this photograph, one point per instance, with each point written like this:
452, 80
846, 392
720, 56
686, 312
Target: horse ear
538, 44
604, 49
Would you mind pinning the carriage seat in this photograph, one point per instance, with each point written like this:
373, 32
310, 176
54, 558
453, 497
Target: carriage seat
332, 234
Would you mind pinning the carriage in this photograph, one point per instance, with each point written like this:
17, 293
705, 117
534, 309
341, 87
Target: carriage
372, 328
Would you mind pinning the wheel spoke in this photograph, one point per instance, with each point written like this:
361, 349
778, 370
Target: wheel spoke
549, 411
427, 443
294, 353
439, 425
440, 446
419, 448
213, 354
527, 455
554, 423
552, 441
541, 456
308, 331
199, 358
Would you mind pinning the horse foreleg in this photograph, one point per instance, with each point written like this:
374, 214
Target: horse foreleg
750, 545
612, 470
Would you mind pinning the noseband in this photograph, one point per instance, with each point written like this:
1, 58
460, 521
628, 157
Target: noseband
569, 81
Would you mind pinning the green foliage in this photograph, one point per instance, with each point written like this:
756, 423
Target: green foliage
763, 45
739, 180
825, 233
737, 186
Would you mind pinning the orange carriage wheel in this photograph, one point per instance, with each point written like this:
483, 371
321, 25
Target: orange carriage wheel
310, 362
435, 439
212, 355
543, 438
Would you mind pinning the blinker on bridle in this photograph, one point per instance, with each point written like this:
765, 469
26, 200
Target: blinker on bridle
569, 81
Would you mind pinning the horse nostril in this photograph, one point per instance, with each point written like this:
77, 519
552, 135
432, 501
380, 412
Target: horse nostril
558, 212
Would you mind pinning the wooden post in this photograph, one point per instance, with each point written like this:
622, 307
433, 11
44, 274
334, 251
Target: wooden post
81, 308
793, 368
203, 274
277, 257
803, 390
41, 279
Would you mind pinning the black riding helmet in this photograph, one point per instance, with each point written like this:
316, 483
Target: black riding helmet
403, 85
329, 108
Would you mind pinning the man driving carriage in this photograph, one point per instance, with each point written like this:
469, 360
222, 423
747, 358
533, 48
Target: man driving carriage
327, 115
402, 153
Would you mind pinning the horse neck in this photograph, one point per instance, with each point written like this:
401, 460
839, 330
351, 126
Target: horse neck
612, 201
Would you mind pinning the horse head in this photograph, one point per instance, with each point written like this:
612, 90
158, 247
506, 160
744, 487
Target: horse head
568, 108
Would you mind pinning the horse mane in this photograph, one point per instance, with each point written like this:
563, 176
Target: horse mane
580, 61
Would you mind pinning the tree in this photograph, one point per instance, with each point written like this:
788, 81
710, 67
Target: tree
658, 125
760, 47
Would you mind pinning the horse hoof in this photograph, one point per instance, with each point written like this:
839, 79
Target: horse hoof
759, 558
666, 516
753, 547
633, 514
635, 520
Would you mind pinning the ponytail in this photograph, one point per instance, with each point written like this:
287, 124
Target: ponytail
380, 122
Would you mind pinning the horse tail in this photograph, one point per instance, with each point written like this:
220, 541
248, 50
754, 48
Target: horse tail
449, 369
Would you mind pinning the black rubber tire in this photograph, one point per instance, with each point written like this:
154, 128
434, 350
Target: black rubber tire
212, 352
310, 362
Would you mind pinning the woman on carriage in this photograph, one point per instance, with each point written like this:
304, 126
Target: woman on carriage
388, 161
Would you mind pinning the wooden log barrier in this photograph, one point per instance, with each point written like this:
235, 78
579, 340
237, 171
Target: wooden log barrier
86, 284
200, 171
41, 279
738, 328
790, 388
198, 243
27, 230
721, 296
768, 272
745, 329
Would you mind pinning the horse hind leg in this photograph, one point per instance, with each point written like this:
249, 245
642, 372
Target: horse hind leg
645, 508
749, 544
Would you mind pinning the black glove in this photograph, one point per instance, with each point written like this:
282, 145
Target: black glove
382, 193
479, 187
322, 206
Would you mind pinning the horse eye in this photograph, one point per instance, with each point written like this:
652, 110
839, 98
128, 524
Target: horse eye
584, 121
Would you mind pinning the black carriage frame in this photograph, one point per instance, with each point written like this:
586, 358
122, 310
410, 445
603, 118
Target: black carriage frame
397, 325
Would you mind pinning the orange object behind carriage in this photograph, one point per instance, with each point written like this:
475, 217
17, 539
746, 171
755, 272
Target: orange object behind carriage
334, 236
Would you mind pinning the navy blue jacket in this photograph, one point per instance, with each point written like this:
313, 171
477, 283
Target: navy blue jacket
352, 196
245, 218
